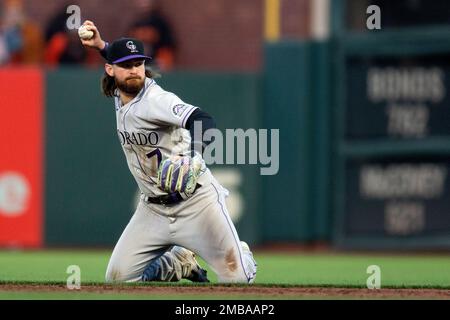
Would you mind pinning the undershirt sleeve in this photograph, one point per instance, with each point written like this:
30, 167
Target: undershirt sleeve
207, 123
104, 51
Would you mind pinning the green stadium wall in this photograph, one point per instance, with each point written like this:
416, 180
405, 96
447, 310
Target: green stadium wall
297, 101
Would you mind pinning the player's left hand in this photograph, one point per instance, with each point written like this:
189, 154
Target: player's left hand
179, 174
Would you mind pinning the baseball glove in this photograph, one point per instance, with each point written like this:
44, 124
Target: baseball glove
179, 174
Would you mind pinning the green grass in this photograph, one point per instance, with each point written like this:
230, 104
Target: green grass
287, 269
337, 270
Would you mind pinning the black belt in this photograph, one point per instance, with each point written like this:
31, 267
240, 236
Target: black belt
170, 198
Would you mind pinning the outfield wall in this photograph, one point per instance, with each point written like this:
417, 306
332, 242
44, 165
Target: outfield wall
297, 101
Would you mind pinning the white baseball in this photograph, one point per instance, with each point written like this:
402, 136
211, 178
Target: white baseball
84, 33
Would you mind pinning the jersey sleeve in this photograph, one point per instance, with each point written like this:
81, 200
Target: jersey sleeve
170, 109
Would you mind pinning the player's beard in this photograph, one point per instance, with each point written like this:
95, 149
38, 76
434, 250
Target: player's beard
131, 85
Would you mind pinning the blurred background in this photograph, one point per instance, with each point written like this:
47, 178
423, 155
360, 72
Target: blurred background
363, 114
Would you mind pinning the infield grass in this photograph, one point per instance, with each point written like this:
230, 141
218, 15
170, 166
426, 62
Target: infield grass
327, 270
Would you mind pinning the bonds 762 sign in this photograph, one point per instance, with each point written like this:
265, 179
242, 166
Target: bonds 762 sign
398, 97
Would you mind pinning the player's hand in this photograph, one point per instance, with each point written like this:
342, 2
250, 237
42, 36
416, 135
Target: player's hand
96, 41
179, 174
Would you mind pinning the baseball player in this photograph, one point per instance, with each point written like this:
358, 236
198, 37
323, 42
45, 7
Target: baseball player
182, 209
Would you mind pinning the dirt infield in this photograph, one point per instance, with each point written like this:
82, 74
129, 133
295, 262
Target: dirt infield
250, 291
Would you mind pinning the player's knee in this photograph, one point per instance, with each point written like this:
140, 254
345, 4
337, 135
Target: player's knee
236, 277
243, 276
116, 273
243, 279
238, 270
112, 274
249, 276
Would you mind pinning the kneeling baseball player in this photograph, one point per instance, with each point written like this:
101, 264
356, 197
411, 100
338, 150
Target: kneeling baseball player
182, 207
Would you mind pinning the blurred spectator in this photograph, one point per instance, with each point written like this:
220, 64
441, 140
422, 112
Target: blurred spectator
154, 31
62, 45
20, 39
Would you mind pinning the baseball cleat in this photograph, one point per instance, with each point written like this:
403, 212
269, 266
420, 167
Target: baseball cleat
191, 269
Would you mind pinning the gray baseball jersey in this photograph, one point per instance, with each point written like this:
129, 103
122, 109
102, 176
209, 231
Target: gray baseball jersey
150, 129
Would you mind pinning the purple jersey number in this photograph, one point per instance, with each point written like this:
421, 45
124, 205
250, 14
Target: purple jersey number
158, 155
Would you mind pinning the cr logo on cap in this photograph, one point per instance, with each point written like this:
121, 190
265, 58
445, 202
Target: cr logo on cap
130, 45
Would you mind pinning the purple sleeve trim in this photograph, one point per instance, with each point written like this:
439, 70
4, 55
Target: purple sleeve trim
186, 116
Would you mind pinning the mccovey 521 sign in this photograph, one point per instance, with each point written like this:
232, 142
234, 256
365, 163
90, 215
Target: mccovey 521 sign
398, 197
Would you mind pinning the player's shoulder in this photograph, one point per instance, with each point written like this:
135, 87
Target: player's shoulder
150, 87
153, 90
161, 97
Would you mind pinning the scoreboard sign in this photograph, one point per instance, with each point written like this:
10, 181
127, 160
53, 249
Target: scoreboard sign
392, 130
398, 198
397, 97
